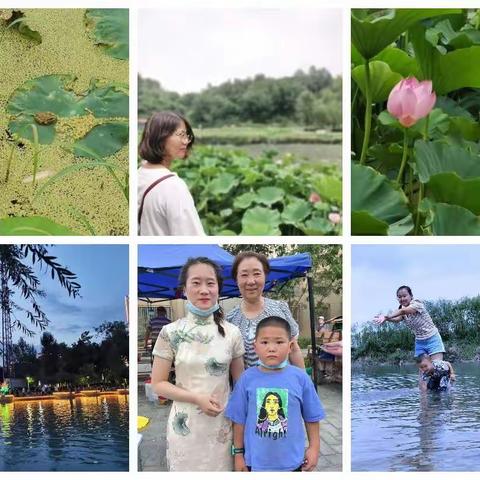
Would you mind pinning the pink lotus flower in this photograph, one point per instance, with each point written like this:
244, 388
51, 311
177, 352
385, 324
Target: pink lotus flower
314, 197
411, 100
334, 217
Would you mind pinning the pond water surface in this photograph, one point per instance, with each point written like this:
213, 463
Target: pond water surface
84, 434
396, 428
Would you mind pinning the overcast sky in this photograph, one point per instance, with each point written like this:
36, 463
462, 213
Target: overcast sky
102, 271
432, 272
186, 49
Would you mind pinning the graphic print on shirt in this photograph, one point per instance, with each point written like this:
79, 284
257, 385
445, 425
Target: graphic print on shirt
272, 413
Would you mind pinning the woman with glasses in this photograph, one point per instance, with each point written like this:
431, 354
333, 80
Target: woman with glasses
165, 205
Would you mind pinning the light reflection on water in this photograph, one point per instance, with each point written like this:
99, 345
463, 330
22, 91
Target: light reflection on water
395, 428
83, 434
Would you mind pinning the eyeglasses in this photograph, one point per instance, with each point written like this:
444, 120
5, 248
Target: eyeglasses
184, 135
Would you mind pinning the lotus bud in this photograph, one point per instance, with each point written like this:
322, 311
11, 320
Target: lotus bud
411, 100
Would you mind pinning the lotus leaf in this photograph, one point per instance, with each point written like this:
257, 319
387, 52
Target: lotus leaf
223, 184
261, 221
32, 226
454, 220
382, 79
51, 95
439, 157
376, 195
371, 34
110, 30
102, 140
270, 195
18, 21
296, 211
317, 226
245, 200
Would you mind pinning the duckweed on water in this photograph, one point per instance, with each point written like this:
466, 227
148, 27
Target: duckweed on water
66, 49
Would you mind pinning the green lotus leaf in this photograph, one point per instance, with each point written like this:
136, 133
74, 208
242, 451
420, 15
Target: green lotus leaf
223, 184
245, 200
102, 141
432, 158
261, 221
375, 194
317, 226
296, 211
226, 233
399, 61
105, 102
451, 71
32, 226
454, 220
371, 34
328, 187
270, 195
450, 188
21, 127
49, 93
110, 29
18, 21
466, 128
365, 224
382, 79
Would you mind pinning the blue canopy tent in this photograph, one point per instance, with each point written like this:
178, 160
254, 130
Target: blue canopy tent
160, 265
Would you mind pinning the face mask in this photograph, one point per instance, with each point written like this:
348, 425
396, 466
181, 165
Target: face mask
202, 313
274, 367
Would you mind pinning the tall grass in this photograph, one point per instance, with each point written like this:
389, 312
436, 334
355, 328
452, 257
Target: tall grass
457, 321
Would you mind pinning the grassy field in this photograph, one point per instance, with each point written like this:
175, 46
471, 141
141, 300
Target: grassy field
240, 135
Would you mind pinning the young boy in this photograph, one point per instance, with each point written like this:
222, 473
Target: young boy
436, 375
269, 405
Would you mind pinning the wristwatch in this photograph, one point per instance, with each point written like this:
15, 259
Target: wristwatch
235, 451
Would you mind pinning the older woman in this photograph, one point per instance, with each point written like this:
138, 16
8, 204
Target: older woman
205, 351
165, 205
250, 270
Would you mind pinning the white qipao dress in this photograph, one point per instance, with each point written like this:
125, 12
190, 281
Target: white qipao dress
202, 357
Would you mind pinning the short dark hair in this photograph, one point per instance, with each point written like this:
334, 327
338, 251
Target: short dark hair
161, 311
244, 255
158, 128
275, 322
422, 357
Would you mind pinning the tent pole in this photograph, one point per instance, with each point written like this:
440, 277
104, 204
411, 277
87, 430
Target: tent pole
311, 304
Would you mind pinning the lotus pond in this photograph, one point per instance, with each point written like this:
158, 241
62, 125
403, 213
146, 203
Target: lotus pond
64, 122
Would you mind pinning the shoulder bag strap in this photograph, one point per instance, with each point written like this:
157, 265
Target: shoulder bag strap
154, 184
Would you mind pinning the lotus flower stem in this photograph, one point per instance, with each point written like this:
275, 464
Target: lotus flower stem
9, 163
404, 156
35, 153
419, 200
368, 113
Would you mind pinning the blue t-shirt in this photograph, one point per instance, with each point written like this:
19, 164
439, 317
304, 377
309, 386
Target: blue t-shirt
273, 407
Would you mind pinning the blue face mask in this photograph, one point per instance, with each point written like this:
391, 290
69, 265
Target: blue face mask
200, 312
273, 367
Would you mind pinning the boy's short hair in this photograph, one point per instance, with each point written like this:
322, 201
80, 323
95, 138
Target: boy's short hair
275, 322
422, 357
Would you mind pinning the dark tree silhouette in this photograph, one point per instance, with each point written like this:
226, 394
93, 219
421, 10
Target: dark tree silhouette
17, 275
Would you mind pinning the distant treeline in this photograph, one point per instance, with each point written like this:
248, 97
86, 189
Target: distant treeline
458, 322
85, 362
312, 99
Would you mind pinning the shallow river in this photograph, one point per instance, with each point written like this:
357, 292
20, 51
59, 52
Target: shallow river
84, 434
395, 428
